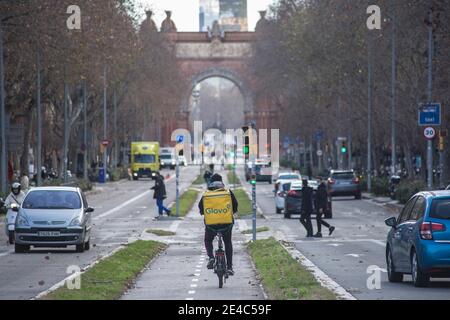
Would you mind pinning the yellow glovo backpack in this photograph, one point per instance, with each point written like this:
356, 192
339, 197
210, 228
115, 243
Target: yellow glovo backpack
217, 207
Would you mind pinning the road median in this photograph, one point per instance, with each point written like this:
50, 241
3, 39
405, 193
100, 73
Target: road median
284, 278
111, 277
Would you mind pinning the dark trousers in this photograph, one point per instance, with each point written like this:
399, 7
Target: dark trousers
320, 222
305, 219
160, 205
226, 236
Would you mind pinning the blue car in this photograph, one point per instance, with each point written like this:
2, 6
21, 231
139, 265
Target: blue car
419, 240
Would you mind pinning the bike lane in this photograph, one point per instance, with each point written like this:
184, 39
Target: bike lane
180, 273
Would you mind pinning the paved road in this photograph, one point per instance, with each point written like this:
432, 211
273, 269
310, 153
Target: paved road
122, 211
357, 243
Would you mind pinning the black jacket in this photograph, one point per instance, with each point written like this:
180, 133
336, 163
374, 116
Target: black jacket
234, 204
321, 197
160, 189
307, 200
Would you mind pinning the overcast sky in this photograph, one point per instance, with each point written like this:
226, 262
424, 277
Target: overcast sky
185, 13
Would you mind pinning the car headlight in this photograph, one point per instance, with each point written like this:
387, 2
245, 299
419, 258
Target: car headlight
173, 162
76, 221
22, 221
135, 174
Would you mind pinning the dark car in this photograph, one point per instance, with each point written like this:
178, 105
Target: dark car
293, 200
344, 183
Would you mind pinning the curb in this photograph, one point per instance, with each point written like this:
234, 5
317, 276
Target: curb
324, 280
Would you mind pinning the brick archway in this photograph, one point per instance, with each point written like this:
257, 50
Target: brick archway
201, 55
213, 72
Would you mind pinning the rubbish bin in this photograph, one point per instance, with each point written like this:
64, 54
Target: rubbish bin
101, 175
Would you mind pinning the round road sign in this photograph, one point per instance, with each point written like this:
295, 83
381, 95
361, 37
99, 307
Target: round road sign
319, 153
429, 133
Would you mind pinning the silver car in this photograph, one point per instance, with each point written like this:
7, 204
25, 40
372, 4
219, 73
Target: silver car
53, 217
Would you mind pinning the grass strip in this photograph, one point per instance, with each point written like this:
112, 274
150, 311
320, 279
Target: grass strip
161, 233
283, 277
187, 200
260, 229
245, 204
199, 180
109, 279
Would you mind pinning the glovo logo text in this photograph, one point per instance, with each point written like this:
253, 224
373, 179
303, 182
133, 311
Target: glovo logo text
218, 211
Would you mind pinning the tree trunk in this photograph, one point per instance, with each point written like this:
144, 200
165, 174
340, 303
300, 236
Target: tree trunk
24, 158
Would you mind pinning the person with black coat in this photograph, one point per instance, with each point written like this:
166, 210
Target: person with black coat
307, 208
321, 203
160, 195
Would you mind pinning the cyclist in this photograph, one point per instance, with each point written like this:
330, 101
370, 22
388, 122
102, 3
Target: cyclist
218, 206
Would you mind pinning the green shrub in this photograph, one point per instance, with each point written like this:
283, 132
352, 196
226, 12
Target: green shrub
407, 188
84, 185
380, 186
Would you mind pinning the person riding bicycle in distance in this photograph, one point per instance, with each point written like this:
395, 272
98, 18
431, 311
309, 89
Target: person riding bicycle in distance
218, 206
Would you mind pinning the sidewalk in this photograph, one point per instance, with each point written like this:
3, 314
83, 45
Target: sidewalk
385, 201
182, 271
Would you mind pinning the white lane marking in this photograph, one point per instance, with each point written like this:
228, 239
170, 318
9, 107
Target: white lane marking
194, 285
126, 203
191, 292
379, 242
318, 274
242, 224
335, 244
5, 253
354, 255
197, 274
174, 226
195, 280
189, 298
198, 270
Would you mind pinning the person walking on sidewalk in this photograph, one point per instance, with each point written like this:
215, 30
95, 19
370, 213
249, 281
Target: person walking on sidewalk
321, 203
307, 208
160, 195
218, 206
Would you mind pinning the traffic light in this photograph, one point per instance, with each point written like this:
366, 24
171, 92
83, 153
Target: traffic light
253, 179
246, 147
344, 147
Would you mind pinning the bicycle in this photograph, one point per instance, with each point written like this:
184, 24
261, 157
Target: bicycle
220, 264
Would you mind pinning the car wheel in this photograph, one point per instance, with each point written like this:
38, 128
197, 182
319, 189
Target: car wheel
19, 248
87, 245
278, 210
80, 247
393, 276
11, 237
358, 196
135, 178
287, 215
419, 278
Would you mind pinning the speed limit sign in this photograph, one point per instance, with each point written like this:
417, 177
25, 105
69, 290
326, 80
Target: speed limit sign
429, 133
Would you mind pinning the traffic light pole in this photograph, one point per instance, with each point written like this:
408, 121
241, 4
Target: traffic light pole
177, 174
254, 202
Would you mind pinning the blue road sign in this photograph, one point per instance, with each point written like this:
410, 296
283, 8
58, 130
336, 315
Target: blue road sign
430, 114
180, 138
318, 135
286, 142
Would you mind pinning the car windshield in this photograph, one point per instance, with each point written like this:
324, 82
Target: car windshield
289, 177
440, 209
52, 199
343, 176
144, 158
286, 186
165, 156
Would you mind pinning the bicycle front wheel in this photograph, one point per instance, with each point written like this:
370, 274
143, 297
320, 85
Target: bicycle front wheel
220, 275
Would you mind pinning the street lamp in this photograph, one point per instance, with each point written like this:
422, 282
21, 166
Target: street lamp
3, 155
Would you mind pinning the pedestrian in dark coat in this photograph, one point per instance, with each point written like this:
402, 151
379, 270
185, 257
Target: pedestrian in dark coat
160, 195
307, 208
321, 204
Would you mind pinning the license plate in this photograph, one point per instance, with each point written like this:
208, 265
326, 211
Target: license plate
49, 233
